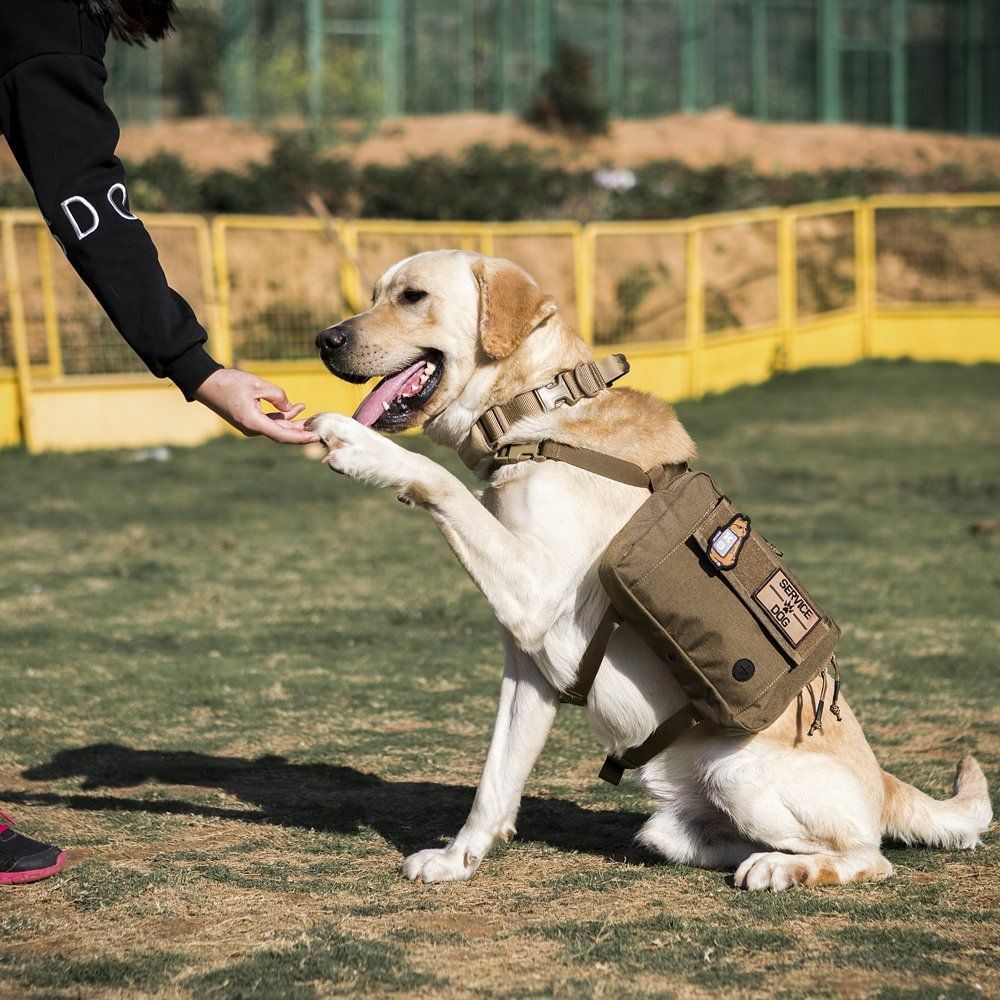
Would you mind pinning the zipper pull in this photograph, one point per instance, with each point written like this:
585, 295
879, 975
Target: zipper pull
834, 707
817, 722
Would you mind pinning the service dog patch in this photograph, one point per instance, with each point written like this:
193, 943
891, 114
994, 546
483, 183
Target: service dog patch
786, 607
724, 547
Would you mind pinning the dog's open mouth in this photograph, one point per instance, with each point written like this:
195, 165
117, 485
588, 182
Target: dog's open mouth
391, 405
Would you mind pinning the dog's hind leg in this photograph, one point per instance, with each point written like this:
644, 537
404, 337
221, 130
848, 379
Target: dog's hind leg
816, 817
699, 836
527, 709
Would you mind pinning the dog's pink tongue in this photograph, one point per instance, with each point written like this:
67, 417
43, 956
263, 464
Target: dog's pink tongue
385, 392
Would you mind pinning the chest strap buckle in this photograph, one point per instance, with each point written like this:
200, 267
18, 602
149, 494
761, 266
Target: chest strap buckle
556, 393
521, 451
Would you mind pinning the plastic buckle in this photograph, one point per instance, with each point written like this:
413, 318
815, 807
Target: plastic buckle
512, 454
589, 379
555, 393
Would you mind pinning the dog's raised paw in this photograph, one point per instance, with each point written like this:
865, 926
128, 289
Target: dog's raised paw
359, 452
333, 428
439, 865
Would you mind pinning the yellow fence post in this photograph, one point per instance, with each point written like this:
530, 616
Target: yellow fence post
220, 339
214, 249
864, 254
694, 309
50, 308
350, 275
223, 332
18, 327
787, 285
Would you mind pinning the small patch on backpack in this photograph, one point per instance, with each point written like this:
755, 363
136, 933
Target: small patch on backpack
727, 541
786, 607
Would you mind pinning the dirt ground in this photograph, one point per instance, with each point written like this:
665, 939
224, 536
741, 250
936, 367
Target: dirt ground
699, 140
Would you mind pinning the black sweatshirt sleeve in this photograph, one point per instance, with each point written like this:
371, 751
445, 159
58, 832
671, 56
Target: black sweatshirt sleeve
64, 135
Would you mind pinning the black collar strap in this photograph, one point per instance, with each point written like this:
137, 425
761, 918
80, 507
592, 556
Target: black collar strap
568, 387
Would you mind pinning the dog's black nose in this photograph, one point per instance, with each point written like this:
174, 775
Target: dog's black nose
332, 338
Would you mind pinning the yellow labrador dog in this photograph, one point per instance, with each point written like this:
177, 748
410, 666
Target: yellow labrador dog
453, 333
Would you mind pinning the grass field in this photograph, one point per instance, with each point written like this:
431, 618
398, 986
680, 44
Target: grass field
240, 689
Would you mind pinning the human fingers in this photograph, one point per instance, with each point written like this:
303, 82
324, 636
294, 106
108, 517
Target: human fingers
275, 395
273, 426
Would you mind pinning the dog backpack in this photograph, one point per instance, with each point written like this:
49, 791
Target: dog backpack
694, 579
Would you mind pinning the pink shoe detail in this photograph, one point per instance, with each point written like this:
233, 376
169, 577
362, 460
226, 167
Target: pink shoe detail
23, 878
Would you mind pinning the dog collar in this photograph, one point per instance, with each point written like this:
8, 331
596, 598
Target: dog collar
568, 387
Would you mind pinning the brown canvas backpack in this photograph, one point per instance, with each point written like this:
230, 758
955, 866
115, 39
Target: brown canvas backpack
693, 578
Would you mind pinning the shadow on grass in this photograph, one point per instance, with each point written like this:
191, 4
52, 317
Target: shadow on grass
329, 798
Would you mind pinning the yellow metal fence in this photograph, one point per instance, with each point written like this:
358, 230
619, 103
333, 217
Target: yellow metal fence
700, 305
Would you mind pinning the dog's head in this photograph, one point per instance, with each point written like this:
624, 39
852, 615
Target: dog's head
434, 319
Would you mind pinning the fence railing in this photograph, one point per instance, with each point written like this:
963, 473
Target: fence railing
699, 304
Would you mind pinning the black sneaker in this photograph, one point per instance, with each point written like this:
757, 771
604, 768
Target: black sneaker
24, 860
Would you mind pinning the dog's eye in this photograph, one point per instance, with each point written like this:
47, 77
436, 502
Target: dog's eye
412, 295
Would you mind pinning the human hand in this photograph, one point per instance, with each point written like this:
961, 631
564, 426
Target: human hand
236, 395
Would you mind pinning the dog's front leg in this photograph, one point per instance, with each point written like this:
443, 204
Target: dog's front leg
528, 706
524, 579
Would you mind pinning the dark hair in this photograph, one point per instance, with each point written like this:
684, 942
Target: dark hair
134, 21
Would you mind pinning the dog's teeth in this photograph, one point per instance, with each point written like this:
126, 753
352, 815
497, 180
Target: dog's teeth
431, 368
423, 379
385, 406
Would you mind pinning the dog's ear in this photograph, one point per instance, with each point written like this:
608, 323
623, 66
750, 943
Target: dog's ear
511, 305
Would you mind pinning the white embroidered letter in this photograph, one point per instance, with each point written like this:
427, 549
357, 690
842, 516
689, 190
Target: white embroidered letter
121, 209
95, 220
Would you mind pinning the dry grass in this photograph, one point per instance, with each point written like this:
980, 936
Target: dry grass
223, 696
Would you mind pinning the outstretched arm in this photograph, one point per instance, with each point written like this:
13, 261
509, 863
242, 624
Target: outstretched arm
63, 134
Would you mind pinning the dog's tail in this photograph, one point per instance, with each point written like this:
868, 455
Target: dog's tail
912, 817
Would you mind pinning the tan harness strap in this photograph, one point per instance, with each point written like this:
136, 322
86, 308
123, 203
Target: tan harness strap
578, 692
568, 387
665, 733
597, 462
